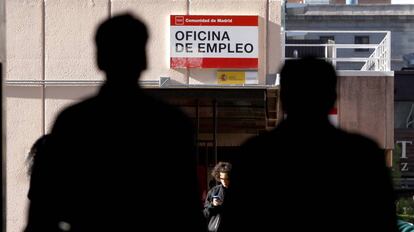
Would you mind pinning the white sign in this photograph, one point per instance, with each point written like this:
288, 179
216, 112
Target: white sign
199, 41
222, 42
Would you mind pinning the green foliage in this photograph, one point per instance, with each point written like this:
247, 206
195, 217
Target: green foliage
405, 209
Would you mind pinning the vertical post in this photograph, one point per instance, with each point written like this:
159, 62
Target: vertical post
388, 158
215, 130
43, 86
376, 59
207, 160
197, 131
388, 52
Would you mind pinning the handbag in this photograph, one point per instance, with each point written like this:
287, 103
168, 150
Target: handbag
214, 223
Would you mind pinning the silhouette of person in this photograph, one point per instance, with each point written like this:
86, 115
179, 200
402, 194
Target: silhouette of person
112, 160
306, 174
35, 153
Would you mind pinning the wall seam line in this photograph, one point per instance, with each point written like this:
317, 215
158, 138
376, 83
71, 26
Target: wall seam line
43, 66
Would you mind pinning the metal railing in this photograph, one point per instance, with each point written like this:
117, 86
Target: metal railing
378, 60
323, 2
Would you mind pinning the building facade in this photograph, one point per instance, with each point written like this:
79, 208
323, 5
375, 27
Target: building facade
398, 19
50, 64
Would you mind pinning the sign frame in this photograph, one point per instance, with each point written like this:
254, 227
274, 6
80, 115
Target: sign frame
214, 41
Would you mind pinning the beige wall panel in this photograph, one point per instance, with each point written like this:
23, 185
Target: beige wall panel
24, 35
69, 38
57, 98
53, 39
363, 107
2, 31
233, 7
23, 125
156, 15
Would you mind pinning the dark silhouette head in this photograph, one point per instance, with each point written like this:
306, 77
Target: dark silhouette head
308, 88
120, 43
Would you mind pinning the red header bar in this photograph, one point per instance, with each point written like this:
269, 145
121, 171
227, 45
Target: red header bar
214, 20
177, 62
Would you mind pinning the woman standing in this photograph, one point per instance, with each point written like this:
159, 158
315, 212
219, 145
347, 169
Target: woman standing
214, 207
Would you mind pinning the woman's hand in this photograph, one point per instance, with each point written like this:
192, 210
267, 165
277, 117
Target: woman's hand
217, 202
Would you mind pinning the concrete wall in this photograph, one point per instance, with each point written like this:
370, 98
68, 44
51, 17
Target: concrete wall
363, 1
366, 105
344, 1
53, 40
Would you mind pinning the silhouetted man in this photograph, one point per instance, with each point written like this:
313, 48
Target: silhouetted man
113, 159
307, 175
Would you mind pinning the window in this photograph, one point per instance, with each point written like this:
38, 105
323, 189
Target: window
362, 39
325, 39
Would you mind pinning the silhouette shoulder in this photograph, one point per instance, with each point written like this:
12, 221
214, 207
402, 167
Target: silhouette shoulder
360, 140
